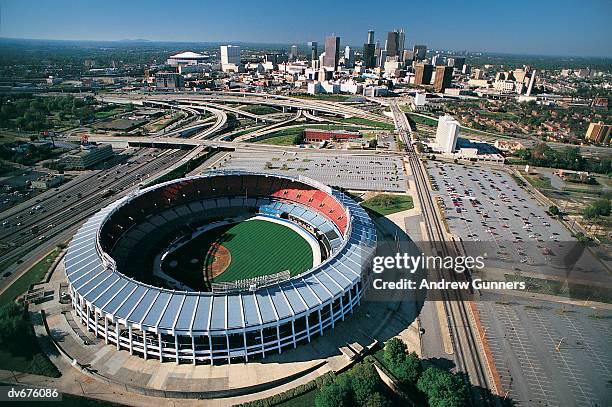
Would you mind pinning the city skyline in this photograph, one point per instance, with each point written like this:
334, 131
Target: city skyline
475, 27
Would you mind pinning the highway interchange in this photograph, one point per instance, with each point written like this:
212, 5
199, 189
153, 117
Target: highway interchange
58, 212
70, 204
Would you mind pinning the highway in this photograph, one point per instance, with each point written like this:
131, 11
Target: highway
283, 102
68, 205
465, 340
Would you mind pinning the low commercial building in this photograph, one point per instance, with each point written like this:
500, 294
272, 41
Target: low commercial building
318, 135
599, 132
508, 145
168, 81
87, 157
47, 181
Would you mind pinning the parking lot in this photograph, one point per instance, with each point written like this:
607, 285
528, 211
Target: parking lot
549, 354
350, 171
493, 215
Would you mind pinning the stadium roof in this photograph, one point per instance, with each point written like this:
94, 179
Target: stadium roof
189, 55
92, 273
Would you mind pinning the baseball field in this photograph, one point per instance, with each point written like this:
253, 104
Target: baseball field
239, 251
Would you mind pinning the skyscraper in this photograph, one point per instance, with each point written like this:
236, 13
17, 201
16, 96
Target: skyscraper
349, 57
230, 55
314, 54
455, 62
332, 52
369, 51
423, 74
293, 53
392, 43
444, 76
395, 43
419, 52
447, 133
370, 37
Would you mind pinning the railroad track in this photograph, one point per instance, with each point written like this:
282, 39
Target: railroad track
468, 358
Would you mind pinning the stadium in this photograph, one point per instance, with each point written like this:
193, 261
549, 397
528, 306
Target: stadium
222, 267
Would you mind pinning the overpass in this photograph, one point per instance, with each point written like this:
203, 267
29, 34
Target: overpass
284, 102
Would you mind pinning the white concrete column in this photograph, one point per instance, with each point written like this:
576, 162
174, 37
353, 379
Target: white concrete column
176, 348
210, 350
229, 359
161, 348
246, 352
193, 349
117, 334
320, 322
308, 327
144, 344
293, 333
131, 341
106, 330
278, 339
263, 346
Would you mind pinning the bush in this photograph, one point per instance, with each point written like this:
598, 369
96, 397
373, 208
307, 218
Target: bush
554, 210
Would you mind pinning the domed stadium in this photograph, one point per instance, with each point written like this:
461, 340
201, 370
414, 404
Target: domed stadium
223, 267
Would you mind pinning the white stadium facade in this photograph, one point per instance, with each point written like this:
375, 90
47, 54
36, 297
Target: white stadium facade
247, 321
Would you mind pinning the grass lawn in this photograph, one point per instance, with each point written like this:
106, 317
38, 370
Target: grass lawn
323, 96
305, 400
423, 120
33, 275
288, 140
108, 113
366, 122
538, 181
386, 204
257, 248
259, 109
19, 349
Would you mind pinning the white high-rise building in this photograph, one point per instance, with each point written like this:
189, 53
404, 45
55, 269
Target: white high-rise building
447, 133
230, 55
349, 57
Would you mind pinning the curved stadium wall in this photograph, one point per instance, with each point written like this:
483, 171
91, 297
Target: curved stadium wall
237, 325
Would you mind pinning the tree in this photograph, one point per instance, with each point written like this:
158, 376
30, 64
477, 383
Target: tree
335, 394
602, 207
395, 350
376, 400
405, 366
13, 324
364, 382
442, 388
554, 210
409, 370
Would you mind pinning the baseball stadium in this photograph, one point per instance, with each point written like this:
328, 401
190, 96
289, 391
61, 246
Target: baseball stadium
222, 267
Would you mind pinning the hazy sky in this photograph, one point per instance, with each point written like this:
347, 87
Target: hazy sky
551, 27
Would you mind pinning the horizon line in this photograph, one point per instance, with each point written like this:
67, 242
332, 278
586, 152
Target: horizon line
144, 40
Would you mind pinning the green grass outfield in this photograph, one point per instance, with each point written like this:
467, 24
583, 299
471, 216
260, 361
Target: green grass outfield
257, 248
